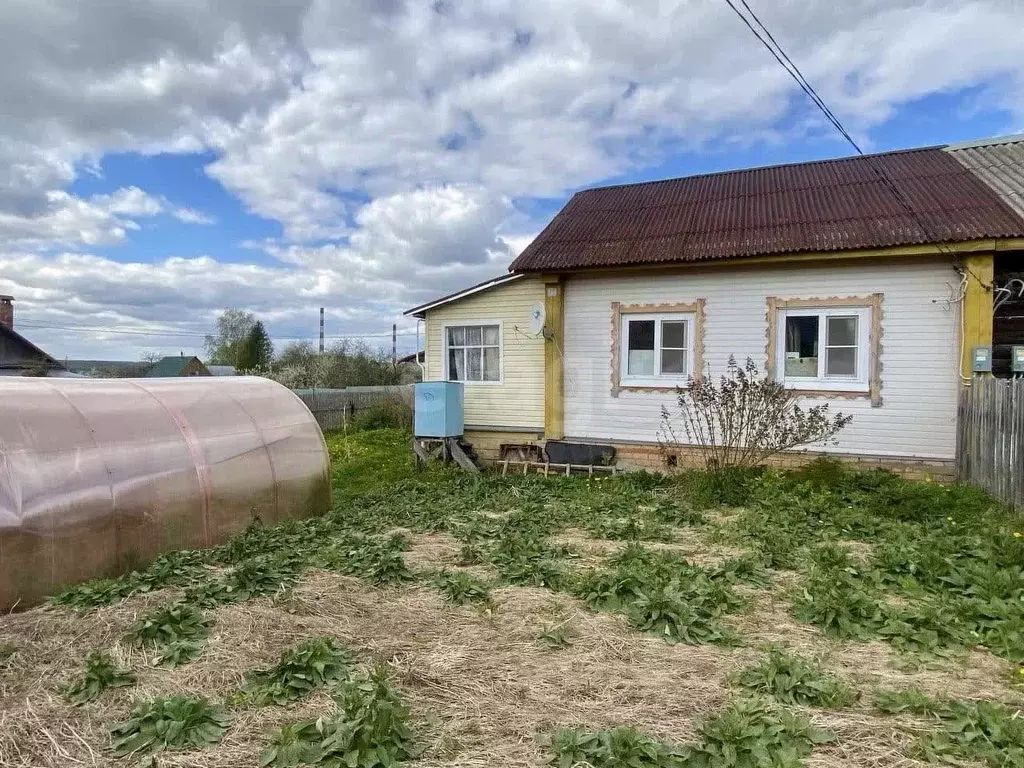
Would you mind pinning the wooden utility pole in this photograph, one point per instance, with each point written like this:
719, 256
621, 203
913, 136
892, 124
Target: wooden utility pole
394, 345
321, 330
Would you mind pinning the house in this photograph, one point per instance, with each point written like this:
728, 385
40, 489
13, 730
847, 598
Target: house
18, 355
108, 369
167, 367
863, 282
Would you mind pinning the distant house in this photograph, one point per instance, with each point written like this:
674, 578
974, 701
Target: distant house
108, 369
169, 367
863, 282
18, 355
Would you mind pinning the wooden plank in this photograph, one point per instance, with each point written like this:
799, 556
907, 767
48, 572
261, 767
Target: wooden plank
460, 456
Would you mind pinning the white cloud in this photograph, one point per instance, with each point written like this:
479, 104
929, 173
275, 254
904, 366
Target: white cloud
393, 140
191, 216
98, 220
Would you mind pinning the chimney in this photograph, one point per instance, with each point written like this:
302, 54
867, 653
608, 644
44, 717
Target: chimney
7, 311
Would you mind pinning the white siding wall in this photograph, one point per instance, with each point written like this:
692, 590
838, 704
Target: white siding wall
519, 400
919, 347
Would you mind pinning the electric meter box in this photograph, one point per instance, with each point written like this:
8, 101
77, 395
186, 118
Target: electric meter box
981, 358
1017, 359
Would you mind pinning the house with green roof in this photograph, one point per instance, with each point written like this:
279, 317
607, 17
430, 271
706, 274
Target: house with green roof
177, 365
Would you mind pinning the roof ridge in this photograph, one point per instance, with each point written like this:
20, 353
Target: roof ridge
994, 141
709, 174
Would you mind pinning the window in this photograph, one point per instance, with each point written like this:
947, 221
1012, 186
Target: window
657, 349
473, 353
824, 348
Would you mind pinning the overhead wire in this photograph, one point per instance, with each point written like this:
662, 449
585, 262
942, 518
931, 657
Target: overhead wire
780, 55
197, 334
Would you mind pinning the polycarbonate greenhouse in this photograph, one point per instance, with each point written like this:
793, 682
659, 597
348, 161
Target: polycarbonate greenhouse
98, 476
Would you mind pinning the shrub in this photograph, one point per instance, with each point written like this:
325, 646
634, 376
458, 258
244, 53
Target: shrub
745, 419
792, 680
753, 733
170, 724
100, 674
390, 412
298, 673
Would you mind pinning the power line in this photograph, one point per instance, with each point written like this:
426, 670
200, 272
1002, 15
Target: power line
787, 63
196, 335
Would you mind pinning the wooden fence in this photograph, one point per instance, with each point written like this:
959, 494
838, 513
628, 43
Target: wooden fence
990, 446
333, 408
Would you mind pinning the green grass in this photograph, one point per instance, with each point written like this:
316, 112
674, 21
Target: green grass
369, 461
930, 570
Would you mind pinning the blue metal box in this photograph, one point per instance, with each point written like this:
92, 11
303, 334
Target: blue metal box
439, 409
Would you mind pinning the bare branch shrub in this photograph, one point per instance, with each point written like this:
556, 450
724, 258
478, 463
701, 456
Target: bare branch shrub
744, 419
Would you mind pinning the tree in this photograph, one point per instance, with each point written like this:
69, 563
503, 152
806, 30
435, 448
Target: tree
744, 419
233, 326
256, 351
347, 364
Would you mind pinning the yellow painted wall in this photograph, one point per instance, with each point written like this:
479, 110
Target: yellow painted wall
519, 400
977, 305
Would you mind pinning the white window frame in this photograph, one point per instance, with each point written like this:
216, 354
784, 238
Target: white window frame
501, 351
659, 380
859, 383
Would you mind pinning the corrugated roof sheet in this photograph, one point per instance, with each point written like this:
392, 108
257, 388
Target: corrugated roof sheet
1000, 164
828, 205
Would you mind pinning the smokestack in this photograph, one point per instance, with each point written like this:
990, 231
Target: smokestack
7, 311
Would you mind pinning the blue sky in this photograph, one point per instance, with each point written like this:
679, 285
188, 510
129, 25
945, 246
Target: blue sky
175, 162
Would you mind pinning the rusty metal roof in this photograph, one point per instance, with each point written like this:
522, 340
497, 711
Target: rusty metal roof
829, 205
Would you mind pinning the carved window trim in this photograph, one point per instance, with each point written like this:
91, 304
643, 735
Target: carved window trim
872, 302
695, 308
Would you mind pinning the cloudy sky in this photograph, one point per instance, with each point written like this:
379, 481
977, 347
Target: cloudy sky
161, 160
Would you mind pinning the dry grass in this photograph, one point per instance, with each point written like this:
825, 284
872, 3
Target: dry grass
480, 686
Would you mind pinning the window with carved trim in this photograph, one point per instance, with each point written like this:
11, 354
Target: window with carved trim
656, 349
824, 348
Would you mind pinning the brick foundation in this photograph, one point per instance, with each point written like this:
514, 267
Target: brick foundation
655, 459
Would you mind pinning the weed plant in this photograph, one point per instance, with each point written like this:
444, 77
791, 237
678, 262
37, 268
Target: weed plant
100, 674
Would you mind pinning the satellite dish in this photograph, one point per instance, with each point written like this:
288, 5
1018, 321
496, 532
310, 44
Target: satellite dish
537, 318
